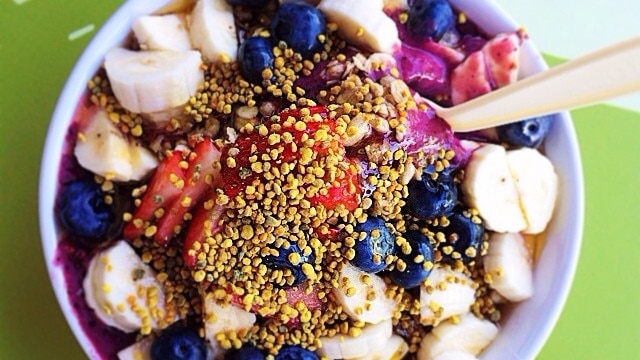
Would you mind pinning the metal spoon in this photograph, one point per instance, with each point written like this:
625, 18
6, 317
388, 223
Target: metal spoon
600, 75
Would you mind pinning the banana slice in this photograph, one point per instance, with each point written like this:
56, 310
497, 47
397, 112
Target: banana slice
446, 293
375, 31
537, 185
223, 318
470, 335
509, 264
124, 293
362, 296
394, 349
153, 81
489, 187
140, 350
163, 32
213, 30
455, 355
372, 339
104, 150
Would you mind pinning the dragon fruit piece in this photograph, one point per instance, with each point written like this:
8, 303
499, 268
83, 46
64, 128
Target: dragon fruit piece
423, 72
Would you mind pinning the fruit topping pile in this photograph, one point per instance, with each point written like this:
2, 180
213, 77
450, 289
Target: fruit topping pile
263, 179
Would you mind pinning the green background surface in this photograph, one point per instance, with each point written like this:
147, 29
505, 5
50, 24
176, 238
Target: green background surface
600, 321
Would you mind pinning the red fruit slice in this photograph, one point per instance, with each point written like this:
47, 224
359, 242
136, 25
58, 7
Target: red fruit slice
470, 79
501, 54
164, 187
202, 174
204, 224
346, 192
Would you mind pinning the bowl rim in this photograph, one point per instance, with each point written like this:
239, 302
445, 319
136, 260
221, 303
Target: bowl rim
115, 29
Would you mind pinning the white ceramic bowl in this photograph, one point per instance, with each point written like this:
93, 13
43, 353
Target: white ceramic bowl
526, 326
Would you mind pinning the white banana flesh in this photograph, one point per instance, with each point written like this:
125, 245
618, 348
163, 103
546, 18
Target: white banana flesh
363, 300
123, 291
153, 81
140, 350
469, 334
510, 265
104, 150
162, 32
219, 318
444, 294
363, 23
213, 30
394, 349
372, 339
455, 355
537, 185
489, 187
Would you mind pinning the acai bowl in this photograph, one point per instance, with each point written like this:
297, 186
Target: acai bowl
346, 255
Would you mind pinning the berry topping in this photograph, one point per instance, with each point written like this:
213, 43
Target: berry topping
295, 352
430, 18
413, 266
178, 343
464, 235
246, 352
372, 249
294, 259
82, 210
299, 25
429, 197
528, 132
254, 56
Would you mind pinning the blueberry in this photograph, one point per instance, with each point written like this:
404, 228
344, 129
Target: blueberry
82, 210
178, 343
295, 352
299, 24
463, 237
254, 55
256, 3
246, 352
374, 248
430, 18
429, 198
415, 272
282, 262
528, 132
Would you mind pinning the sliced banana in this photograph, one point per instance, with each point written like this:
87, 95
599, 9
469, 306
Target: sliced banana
104, 150
375, 31
394, 349
362, 296
372, 339
140, 350
153, 81
124, 293
213, 30
219, 318
162, 32
469, 334
455, 355
445, 293
489, 187
510, 266
537, 185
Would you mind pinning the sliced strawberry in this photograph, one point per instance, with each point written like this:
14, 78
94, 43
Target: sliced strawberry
202, 174
204, 224
297, 294
346, 192
501, 54
164, 187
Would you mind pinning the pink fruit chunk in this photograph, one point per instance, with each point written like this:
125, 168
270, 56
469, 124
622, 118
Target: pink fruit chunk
204, 224
470, 79
501, 54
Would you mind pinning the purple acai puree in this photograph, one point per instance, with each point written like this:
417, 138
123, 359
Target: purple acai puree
74, 258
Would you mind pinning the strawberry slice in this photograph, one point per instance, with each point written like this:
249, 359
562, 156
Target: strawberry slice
346, 192
164, 187
501, 54
205, 223
202, 174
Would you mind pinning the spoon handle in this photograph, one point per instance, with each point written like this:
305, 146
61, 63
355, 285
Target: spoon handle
606, 73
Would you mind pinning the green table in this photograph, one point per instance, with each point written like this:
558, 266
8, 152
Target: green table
602, 316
